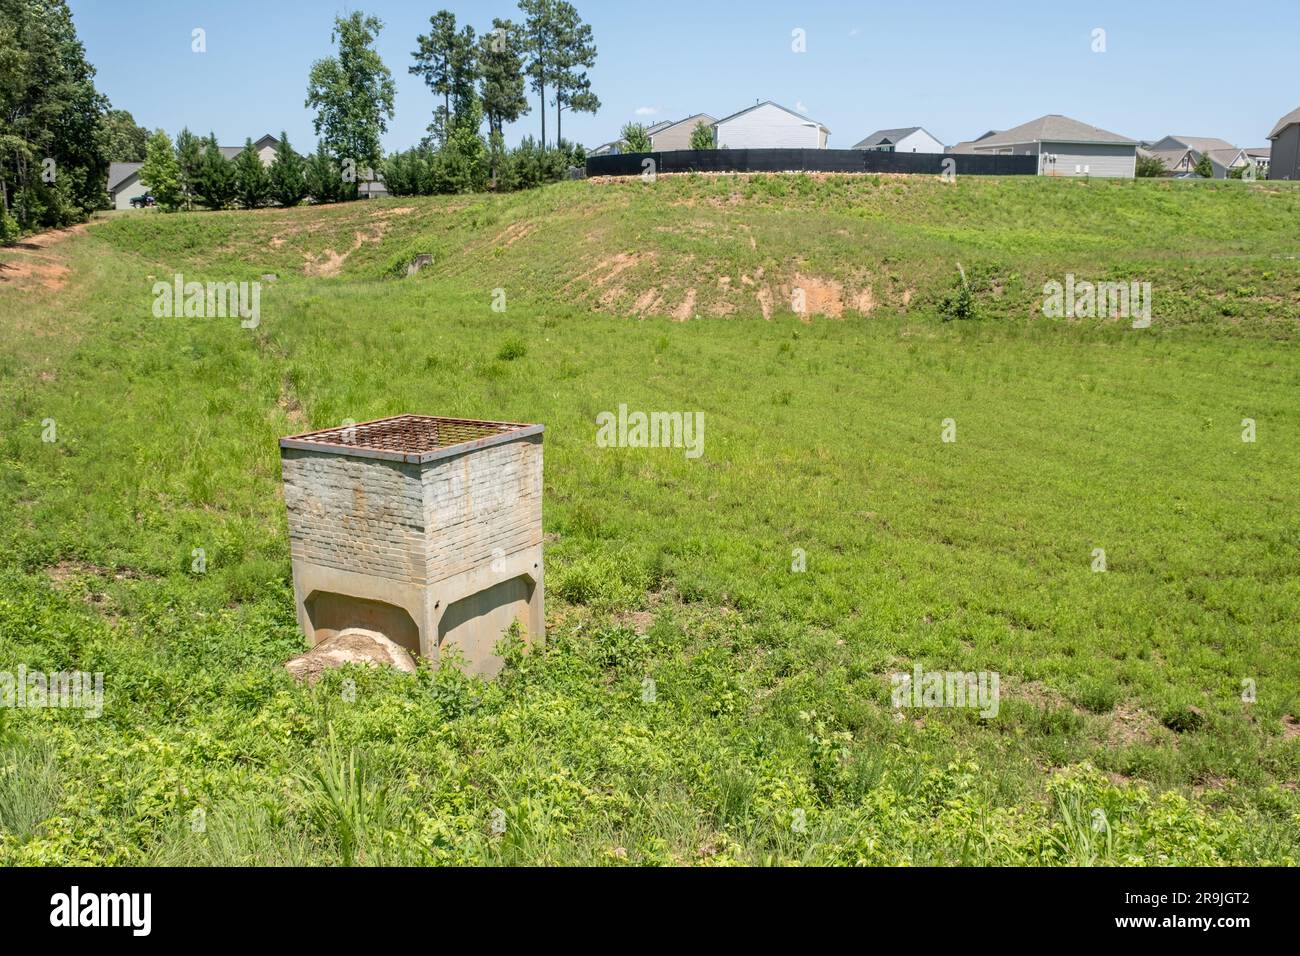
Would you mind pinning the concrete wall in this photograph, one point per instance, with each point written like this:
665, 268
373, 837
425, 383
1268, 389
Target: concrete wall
482, 505
446, 552
356, 514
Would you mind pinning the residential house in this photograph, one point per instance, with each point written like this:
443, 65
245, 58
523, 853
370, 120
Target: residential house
1260, 156
1284, 158
908, 139
124, 184
968, 146
768, 126
1064, 147
678, 135
1224, 157
124, 178
1178, 161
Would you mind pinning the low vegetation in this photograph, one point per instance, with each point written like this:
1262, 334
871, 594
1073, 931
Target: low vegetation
698, 700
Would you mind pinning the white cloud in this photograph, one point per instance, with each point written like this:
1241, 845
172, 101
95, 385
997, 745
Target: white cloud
647, 110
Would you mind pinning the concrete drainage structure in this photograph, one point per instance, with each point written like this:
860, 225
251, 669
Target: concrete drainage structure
425, 530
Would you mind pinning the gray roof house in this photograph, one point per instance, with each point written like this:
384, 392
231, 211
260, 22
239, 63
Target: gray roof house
124, 178
906, 139
1064, 147
1177, 161
1284, 158
124, 184
968, 146
1224, 157
769, 126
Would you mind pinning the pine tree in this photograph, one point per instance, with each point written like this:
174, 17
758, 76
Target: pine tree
433, 62
214, 184
189, 157
288, 178
540, 48
160, 172
1204, 167
322, 174
252, 184
575, 54
501, 75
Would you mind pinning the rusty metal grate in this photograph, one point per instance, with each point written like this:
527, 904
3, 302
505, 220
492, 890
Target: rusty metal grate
405, 437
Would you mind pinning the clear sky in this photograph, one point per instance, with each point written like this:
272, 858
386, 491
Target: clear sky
956, 67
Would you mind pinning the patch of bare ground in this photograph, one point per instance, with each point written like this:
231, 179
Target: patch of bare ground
330, 263
1290, 727
66, 571
820, 296
1129, 724
687, 308
35, 262
513, 233
289, 404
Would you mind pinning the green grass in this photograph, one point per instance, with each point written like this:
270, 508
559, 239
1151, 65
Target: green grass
773, 687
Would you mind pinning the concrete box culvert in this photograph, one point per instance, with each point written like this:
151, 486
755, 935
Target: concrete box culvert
427, 530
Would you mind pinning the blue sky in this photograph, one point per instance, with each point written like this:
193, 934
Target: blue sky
956, 68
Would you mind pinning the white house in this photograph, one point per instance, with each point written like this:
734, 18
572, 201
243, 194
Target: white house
908, 139
768, 126
1064, 147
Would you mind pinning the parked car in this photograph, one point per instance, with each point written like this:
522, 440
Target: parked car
140, 202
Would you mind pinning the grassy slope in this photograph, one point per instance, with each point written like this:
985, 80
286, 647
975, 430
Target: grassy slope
772, 686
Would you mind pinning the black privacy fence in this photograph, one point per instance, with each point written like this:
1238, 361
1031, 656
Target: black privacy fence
809, 161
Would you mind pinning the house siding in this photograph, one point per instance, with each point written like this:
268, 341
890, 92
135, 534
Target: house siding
1104, 160
918, 142
769, 127
127, 190
1284, 163
678, 136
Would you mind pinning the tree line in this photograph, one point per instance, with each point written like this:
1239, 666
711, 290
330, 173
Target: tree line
58, 133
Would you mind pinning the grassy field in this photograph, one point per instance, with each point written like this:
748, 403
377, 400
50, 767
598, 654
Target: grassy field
773, 738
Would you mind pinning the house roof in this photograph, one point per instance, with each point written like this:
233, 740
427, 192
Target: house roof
230, 152
1172, 158
662, 124
118, 173
811, 122
886, 136
1202, 144
1285, 121
698, 117
1225, 157
1053, 128
1262, 152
